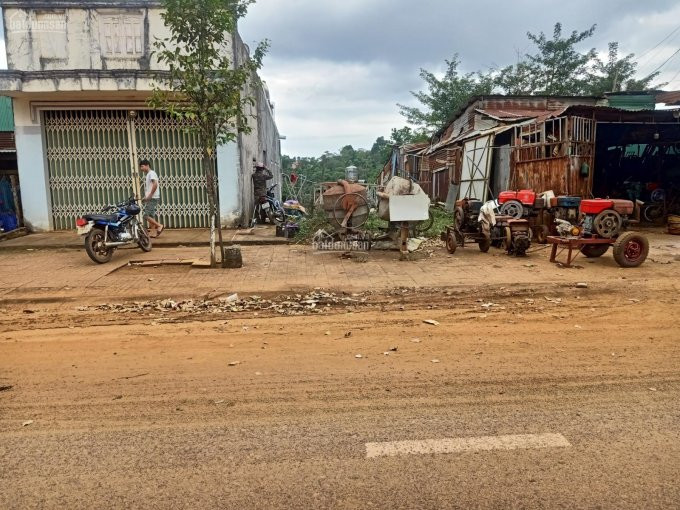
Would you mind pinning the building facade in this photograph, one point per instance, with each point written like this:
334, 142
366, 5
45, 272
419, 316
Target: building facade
584, 146
80, 75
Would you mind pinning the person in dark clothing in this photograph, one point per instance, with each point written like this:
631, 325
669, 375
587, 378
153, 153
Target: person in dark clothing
260, 177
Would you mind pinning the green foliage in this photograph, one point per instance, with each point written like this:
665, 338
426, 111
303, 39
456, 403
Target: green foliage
201, 84
442, 219
445, 96
406, 135
617, 74
311, 224
558, 68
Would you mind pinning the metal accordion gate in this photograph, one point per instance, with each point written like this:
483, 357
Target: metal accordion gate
93, 155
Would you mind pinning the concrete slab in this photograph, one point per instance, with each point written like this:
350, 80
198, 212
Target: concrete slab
190, 238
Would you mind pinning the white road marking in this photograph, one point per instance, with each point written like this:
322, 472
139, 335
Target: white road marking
466, 444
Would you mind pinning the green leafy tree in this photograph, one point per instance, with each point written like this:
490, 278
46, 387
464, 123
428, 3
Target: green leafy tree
559, 68
617, 74
202, 85
406, 135
517, 79
444, 96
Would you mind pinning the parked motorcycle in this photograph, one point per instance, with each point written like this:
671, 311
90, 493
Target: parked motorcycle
269, 207
116, 226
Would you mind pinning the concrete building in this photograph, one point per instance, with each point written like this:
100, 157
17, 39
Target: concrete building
80, 74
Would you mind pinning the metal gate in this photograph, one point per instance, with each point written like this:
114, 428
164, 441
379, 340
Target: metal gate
92, 160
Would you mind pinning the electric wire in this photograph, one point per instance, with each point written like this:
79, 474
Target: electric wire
659, 43
666, 61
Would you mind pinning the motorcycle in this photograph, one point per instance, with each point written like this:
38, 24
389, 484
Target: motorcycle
268, 206
116, 226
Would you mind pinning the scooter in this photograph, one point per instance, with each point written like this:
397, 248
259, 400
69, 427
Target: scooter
269, 207
116, 226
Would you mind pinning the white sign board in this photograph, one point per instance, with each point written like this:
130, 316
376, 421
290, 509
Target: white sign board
409, 207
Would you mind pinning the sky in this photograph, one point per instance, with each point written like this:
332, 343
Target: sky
337, 68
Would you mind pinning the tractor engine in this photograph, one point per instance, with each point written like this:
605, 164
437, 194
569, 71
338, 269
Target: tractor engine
520, 204
517, 240
605, 218
566, 208
467, 215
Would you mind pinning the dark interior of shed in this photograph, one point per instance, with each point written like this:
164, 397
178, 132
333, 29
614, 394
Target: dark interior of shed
635, 161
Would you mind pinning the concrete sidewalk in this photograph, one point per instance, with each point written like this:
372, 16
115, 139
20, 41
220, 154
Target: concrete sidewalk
68, 276
190, 238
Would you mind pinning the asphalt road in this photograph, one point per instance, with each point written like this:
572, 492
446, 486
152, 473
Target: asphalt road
153, 416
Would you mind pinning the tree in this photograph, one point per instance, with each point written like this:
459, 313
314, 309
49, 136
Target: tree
406, 135
445, 96
517, 79
617, 74
558, 68
202, 86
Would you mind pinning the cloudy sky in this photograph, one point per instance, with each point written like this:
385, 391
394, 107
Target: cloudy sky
337, 68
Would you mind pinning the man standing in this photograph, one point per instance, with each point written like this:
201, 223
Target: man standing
260, 177
152, 195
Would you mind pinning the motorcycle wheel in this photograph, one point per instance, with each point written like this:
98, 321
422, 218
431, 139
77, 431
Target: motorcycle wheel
144, 241
94, 246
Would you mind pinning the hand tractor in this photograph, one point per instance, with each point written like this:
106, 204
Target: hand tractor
601, 224
526, 204
513, 234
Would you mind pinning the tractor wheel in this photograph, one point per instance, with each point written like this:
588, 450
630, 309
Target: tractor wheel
507, 239
631, 249
459, 216
607, 224
593, 251
513, 208
451, 243
484, 244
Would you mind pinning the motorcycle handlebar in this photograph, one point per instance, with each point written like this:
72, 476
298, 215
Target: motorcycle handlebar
122, 204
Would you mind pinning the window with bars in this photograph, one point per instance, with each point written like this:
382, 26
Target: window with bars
122, 35
554, 138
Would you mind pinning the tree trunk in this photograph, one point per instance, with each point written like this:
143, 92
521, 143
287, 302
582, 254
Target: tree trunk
210, 184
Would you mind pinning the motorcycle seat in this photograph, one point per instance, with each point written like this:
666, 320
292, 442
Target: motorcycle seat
110, 218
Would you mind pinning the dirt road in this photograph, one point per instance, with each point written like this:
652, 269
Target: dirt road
255, 410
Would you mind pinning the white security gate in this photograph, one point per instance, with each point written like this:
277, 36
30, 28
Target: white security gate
474, 178
93, 155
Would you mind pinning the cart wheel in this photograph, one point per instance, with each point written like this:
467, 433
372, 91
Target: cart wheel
542, 233
423, 226
451, 243
631, 249
484, 244
594, 250
507, 238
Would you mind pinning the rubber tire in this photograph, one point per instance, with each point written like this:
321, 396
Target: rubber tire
653, 213
620, 249
451, 243
425, 225
593, 251
90, 240
145, 246
484, 244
